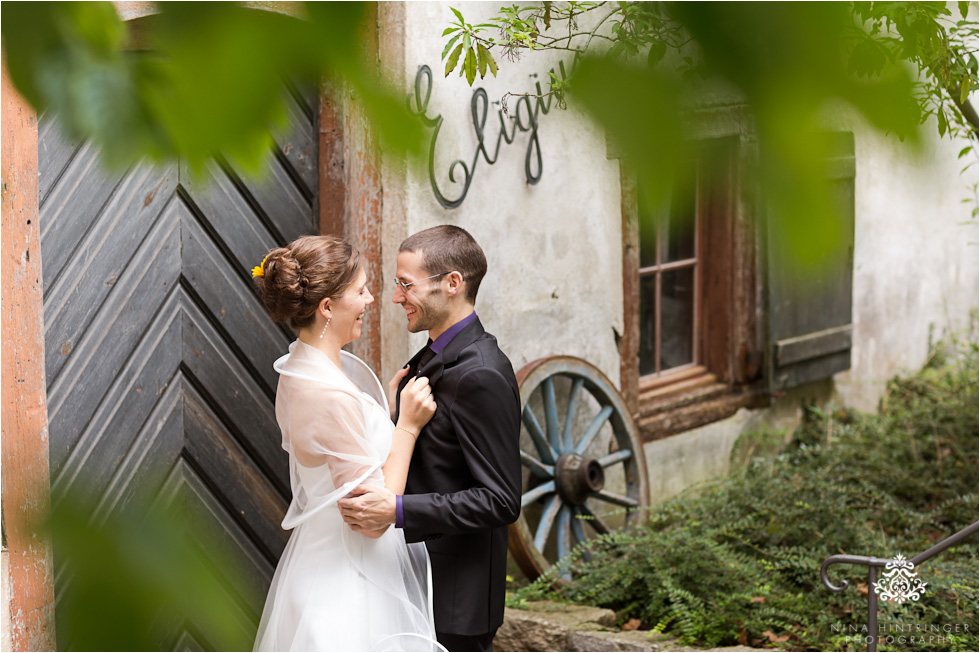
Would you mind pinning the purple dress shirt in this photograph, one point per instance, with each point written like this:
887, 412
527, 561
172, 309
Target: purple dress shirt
436, 347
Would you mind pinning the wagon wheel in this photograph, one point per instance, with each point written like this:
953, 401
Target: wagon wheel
584, 473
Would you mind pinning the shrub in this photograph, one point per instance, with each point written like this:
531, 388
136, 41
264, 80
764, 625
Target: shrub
736, 560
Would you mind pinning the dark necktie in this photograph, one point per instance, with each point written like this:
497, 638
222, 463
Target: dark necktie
426, 357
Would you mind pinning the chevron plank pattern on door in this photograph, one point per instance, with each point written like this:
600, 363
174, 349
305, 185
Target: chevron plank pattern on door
158, 353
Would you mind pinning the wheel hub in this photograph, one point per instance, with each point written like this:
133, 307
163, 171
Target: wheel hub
577, 477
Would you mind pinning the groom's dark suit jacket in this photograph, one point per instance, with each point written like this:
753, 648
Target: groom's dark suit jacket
464, 483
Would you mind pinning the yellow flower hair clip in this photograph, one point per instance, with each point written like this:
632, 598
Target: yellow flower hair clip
259, 270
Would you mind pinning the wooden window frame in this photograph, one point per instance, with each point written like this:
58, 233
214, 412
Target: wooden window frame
727, 373
674, 374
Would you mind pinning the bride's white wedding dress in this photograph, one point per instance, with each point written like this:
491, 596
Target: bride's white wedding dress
334, 589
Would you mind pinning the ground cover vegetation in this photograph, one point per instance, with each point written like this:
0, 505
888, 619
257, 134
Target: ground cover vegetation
737, 560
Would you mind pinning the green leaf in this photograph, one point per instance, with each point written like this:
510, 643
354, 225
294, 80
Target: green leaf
964, 9
458, 15
966, 150
943, 124
470, 65
491, 64
449, 30
486, 61
453, 59
964, 90
657, 51
449, 46
467, 41
481, 60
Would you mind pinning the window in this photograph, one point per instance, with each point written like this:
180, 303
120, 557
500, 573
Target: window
713, 322
669, 289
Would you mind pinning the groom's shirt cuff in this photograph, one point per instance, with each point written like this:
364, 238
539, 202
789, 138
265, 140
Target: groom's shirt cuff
399, 512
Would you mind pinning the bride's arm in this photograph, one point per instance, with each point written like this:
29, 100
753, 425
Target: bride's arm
417, 408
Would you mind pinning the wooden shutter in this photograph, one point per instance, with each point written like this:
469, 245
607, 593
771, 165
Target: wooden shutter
158, 352
810, 312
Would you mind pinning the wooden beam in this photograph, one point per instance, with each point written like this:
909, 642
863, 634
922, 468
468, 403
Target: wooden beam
26, 484
332, 195
629, 340
364, 199
700, 407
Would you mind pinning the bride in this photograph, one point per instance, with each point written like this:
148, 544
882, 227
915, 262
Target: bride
335, 589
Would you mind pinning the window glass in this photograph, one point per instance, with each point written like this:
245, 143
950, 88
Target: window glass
648, 317
668, 264
677, 318
649, 217
677, 235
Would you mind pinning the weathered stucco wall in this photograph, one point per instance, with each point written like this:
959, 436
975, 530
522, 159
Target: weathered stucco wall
915, 257
554, 284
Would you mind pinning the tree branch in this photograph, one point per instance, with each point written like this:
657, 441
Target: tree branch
600, 24
966, 109
571, 36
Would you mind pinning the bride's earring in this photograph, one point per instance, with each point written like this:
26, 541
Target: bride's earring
324, 328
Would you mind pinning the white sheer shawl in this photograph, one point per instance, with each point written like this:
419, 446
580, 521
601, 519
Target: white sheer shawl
335, 589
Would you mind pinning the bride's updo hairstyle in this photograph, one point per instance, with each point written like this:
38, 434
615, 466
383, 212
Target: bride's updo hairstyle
294, 279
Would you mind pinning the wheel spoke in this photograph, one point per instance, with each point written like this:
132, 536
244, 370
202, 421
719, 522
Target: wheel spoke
614, 457
537, 468
536, 493
595, 520
618, 499
564, 537
567, 436
564, 531
547, 519
551, 413
593, 429
579, 532
545, 452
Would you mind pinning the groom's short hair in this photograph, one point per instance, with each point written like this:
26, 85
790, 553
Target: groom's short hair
446, 248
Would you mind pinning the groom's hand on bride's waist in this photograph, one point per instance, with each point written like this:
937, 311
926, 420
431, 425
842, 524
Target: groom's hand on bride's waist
369, 509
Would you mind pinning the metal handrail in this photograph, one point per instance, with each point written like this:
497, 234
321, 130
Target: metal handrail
873, 563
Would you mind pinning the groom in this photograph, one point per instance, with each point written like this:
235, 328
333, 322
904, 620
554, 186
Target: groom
464, 483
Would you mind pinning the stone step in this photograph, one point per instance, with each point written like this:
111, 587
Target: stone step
552, 626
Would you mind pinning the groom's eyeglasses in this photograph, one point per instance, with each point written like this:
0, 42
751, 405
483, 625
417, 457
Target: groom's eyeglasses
405, 286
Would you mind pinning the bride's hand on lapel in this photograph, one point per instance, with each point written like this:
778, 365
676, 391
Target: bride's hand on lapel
417, 405
370, 509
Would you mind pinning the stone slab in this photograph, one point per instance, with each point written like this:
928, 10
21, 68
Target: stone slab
553, 626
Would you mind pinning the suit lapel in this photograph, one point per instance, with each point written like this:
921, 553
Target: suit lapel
412, 370
414, 363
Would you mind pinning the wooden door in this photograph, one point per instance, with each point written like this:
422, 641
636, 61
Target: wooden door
158, 353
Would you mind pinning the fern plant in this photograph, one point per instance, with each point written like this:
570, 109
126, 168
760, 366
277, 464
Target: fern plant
737, 559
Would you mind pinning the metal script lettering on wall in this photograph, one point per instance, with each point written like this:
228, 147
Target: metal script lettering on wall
479, 108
